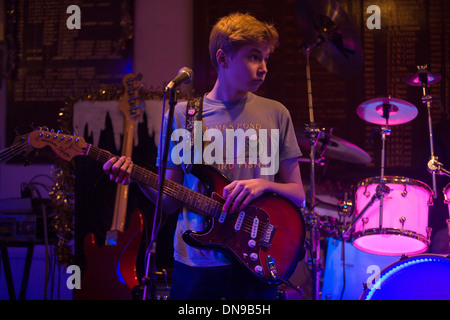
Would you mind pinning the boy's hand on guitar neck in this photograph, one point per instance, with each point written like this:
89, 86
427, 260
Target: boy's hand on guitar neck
119, 169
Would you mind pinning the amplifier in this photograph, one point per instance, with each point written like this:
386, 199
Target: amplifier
21, 220
17, 220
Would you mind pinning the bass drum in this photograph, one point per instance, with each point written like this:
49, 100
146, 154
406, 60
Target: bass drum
419, 277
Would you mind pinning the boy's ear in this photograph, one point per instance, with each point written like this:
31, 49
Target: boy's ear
222, 60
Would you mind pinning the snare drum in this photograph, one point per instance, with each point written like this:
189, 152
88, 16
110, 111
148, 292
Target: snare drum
404, 228
419, 277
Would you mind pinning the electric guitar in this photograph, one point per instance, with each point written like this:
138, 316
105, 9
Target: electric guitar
111, 268
267, 237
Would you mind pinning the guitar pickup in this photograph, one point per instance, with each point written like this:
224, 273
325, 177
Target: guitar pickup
239, 221
268, 235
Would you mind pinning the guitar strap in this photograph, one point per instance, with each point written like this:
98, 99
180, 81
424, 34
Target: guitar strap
194, 112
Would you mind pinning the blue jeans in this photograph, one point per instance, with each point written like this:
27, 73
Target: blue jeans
215, 283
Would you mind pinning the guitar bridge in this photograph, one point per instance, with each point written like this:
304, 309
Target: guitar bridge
268, 235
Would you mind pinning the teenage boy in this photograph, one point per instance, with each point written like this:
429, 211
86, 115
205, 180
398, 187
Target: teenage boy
240, 46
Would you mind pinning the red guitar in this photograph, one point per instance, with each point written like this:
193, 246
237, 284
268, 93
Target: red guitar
266, 237
111, 269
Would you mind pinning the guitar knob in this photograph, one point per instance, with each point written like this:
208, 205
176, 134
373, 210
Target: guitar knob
254, 256
258, 269
251, 243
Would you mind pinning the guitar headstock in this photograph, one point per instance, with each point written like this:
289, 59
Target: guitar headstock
130, 102
63, 145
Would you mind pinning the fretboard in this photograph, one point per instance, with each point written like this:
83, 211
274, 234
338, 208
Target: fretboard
195, 201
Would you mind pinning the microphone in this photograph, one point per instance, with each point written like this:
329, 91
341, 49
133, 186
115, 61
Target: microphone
185, 75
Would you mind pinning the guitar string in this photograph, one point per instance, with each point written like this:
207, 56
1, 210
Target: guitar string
247, 222
172, 188
11, 152
14, 148
103, 156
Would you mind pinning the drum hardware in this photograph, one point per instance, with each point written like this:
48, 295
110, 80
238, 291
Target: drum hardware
404, 228
331, 37
376, 110
402, 221
417, 79
321, 162
424, 79
437, 167
384, 112
381, 191
386, 109
332, 147
446, 192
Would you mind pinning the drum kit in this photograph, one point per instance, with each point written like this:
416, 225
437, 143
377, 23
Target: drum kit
387, 215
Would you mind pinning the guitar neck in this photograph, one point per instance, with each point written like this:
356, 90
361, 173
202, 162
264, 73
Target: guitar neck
20, 147
196, 201
121, 200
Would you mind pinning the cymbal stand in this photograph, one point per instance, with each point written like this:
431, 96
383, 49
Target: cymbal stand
434, 167
382, 189
385, 131
314, 134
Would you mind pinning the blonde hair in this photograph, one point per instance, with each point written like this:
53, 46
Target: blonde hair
237, 30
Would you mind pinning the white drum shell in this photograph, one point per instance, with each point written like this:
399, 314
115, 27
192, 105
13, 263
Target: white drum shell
404, 228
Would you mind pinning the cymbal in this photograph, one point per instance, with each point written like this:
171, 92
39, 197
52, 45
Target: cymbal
415, 81
333, 147
331, 35
398, 111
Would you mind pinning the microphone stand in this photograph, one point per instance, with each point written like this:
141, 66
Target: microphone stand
147, 280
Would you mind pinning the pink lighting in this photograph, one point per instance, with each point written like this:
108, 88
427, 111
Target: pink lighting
404, 228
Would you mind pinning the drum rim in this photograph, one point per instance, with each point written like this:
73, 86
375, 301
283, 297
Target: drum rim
403, 259
394, 180
393, 231
447, 187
